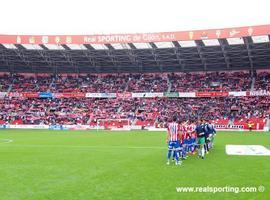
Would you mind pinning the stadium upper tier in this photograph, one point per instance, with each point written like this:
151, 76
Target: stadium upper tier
200, 50
120, 83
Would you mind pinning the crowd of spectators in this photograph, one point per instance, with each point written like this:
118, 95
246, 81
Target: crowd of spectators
138, 110
5, 81
59, 110
21, 83
167, 82
230, 108
262, 81
90, 83
148, 83
215, 81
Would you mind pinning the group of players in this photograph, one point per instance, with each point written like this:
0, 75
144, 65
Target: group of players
187, 138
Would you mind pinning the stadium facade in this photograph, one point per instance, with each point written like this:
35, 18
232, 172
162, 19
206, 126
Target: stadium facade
242, 48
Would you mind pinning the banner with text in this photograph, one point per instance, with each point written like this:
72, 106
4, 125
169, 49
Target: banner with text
212, 94
238, 94
3, 94
147, 95
124, 95
236, 32
68, 95
187, 94
258, 93
100, 95
171, 94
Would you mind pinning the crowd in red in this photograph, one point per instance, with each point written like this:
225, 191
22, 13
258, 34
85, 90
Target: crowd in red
262, 81
181, 82
140, 111
215, 81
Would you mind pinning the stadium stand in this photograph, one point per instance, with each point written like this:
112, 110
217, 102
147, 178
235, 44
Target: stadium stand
140, 111
180, 82
5, 82
221, 75
216, 81
262, 81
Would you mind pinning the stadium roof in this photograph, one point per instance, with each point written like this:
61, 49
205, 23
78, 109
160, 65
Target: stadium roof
242, 48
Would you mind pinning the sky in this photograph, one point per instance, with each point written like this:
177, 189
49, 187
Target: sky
81, 17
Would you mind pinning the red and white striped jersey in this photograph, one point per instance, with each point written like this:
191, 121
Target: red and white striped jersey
184, 128
191, 128
173, 131
184, 136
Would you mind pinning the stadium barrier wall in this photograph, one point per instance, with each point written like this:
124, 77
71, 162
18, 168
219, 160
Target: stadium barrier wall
121, 129
134, 95
136, 127
4, 126
156, 129
232, 127
27, 126
51, 127
126, 128
241, 130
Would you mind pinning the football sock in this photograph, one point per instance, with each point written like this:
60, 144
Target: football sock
169, 154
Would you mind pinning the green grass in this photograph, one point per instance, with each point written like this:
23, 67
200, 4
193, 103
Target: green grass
70, 165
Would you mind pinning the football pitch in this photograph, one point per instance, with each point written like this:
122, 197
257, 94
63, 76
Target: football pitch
71, 165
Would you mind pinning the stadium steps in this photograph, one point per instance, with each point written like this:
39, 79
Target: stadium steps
126, 88
253, 83
9, 88
169, 84
127, 84
119, 109
133, 122
11, 85
51, 84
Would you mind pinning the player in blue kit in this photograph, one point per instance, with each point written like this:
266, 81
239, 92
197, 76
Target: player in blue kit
211, 132
206, 136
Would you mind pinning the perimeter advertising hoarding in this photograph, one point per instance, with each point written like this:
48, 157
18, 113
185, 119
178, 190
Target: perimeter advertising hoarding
100, 95
147, 94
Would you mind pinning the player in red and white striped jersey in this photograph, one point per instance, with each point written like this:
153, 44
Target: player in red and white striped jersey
173, 140
173, 131
184, 141
192, 137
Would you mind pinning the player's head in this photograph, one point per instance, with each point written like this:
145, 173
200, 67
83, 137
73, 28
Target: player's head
174, 118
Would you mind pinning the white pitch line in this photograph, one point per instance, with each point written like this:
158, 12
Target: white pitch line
5, 141
84, 146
